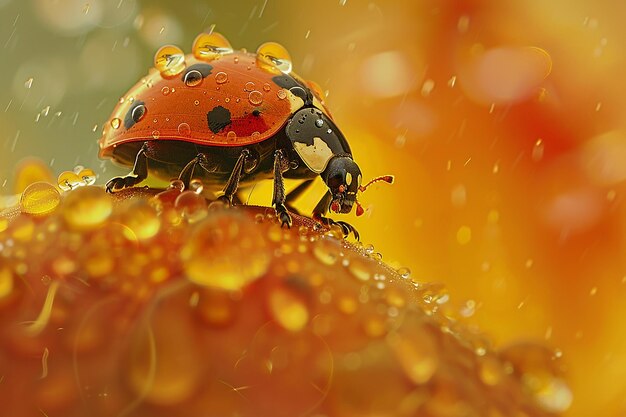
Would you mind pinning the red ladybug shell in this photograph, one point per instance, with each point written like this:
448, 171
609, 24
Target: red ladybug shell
237, 102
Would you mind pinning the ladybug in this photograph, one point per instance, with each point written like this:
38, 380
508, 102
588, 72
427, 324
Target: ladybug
232, 118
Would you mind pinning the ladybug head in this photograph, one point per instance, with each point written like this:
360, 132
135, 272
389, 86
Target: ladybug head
343, 178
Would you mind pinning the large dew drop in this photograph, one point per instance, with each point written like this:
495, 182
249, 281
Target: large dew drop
39, 199
169, 60
274, 54
209, 46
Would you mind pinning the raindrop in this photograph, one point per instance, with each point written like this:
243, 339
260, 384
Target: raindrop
221, 77
184, 129
193, 78
209, 46
138, 113
115, 123
255, 97
169, 60
274, 54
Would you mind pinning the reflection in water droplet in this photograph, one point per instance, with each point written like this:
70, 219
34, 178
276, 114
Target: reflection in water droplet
184, 129
193, 78
221, 77
39, 198
255, 97
138, 113
68, 180
116, 123
274, 54
209, 46
169, 60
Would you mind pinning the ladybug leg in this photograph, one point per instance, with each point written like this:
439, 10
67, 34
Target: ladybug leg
138, 174
278, 197
186, 175
322, 208
233, 182
295, 193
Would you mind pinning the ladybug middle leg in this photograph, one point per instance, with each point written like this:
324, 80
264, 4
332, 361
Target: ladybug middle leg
278, 197
233, 182
138, 174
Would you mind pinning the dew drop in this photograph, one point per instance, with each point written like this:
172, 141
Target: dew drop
192, 206
165, 90
221, 77
275, 55
39, 198
138, 113
255, 97
86, 208
266, 87
231, 135
196, 102
359, 268
193, 78
184, 129
68, 180
116, 123
249, 86
319, 123
156, 134
288, 309
87, 176
209, 46
282, 94
169, 61
326, 251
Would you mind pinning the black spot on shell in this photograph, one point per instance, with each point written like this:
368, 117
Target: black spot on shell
204, 69
285, 81
256, 112
136, 113
218, 118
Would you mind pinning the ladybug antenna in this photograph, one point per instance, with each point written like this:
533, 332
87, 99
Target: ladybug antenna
387, 178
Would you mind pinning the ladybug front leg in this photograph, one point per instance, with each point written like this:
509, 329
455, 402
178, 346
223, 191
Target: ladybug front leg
278, 197
138, 174
319, 215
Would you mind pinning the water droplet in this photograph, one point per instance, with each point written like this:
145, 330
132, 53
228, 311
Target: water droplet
196, 186
225, 251
156, 134
360, 269
249, 86
255, 97
169, 60
255, 135
69, 180
142, 219
39, 198
87, 176
165, 90
416, 351
139, 112
192, 206
116, 123
209, 46
538, 149
184, 129
193, 78
196, 102
275, 55
319, 123
326, 251
236, 60
227, 100
86, 208
282, 94
266, 87
121, 100
221, 77
288, 309
231, 135
404, 272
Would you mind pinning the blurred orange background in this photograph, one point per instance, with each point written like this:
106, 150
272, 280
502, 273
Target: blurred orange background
503, 123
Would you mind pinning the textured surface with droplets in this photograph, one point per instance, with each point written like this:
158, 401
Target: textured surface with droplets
139, 305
